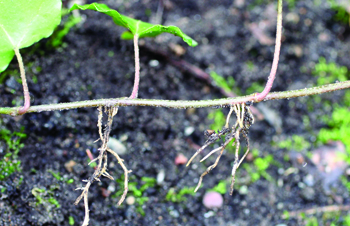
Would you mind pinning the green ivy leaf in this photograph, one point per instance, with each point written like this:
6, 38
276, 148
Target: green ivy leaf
23, 23
136, 27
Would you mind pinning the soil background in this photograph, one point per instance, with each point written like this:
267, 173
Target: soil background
236, 39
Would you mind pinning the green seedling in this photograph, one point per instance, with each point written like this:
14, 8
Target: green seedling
311, 221
137, 192
60, 178
219, 120
221, 187
296, 143
42, 196
226, 84
342, 14
339, 129
329, 72
9, 163
255, 86
71, 220
260, 166
179, 196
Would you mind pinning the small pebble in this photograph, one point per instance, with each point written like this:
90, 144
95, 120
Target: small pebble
130, 200
111, 187
212, 200
160, 176
174, 213
243, 190
189, 130
309, 180
105, 192
209, 214
153, 63
180, 159
69, 165
308, 194
116, 146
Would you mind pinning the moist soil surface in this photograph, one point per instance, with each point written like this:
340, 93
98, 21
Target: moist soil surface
236, 40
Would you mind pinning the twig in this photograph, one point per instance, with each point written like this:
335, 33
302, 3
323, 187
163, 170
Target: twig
317, 209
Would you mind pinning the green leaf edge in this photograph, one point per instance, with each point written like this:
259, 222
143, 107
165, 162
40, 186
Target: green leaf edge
11, 53
127, 22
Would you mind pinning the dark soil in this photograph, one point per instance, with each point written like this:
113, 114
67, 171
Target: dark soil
95, 63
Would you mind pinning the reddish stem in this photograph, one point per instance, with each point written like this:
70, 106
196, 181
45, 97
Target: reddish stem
135, 90
26, 106
261, 96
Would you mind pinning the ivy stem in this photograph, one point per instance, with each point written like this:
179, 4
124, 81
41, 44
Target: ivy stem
261, 96
26, 105
124, 102
135, 90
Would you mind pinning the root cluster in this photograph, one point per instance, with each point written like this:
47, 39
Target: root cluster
244, 120
101, 169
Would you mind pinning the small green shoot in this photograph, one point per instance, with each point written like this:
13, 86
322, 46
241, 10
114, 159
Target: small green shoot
174, 196
56, 175
342, 15
260, 165
136, 27
296, 143
221, 187
312, 221
219, 119
45, 196
339, 129
71, 220
138, 193
60, 178
254, 87
9, 163
329, 72
226, 84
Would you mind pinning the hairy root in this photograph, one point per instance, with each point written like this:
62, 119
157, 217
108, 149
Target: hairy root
243, 122
101, 168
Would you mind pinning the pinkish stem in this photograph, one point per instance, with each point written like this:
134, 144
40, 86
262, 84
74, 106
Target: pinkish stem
26, 106
135, 90
261, 96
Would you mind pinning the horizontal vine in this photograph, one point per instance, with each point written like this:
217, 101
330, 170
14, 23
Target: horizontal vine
124, 101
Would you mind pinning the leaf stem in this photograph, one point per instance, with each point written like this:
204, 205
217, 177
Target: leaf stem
261, 96
135, 90
123, 102
26, 106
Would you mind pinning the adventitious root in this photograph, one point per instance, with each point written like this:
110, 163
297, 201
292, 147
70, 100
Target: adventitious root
101, 168
244, 120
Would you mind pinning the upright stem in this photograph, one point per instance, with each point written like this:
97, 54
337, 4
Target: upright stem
261, 96
135, 90
26, 106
